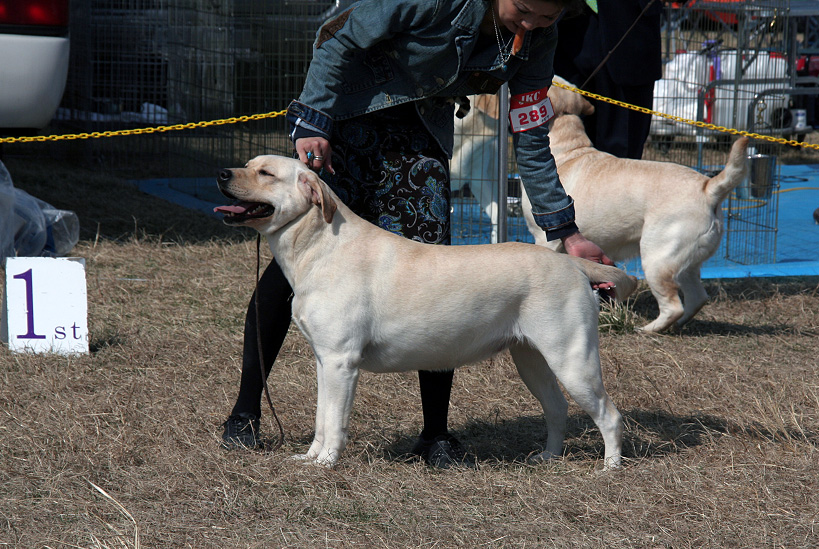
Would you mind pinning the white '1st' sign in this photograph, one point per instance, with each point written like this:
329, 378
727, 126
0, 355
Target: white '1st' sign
45, 305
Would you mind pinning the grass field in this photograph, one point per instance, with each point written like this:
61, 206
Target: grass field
120, 448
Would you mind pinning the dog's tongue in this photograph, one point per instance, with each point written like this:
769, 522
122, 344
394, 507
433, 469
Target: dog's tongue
234, 209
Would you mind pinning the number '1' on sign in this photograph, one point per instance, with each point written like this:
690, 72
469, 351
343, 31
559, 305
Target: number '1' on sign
45, 305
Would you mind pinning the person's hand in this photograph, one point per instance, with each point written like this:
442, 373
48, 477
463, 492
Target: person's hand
316, 153
579, 246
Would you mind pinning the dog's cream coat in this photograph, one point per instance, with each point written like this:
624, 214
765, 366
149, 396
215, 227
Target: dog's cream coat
670, 215
367, 299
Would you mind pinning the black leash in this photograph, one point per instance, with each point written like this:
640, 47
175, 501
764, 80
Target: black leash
259, 345
606, 58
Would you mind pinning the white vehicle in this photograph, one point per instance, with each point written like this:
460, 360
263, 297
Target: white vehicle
34, 46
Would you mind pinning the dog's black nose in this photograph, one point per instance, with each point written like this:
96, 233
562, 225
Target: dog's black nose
224, 175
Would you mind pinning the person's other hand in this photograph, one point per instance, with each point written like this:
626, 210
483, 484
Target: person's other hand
579, 246
316, 153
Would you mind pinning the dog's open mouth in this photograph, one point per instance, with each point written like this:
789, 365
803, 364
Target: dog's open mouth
241, 212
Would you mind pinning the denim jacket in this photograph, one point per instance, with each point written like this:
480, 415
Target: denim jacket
379, 54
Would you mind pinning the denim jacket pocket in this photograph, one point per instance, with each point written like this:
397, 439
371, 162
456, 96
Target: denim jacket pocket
380, 72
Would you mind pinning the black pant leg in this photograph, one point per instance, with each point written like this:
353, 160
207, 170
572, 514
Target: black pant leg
275, 308
436, 387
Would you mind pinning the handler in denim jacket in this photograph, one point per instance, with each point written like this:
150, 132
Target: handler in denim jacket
381, 67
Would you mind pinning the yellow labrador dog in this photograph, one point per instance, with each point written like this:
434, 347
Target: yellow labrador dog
669, 214
367, 299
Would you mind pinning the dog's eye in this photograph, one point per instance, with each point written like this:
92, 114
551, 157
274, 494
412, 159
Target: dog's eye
265, 173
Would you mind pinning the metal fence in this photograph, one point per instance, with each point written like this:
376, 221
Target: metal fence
142, 63
146, 63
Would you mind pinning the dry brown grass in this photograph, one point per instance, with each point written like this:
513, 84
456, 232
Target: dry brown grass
121, 447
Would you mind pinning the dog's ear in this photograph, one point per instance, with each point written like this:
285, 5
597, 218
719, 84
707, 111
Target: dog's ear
568, 102
557, 97
316, 189
586, 108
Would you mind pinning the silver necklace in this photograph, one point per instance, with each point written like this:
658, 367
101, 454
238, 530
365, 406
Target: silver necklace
504, 50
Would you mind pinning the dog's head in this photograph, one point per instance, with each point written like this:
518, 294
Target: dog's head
568, 102
270, 192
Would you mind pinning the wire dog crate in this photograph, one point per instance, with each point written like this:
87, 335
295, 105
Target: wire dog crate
141, 63
146, 63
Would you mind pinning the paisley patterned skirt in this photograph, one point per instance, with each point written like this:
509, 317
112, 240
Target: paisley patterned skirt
391, 172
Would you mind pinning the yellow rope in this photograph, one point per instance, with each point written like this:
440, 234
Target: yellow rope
696, 123
273, 114
142, 131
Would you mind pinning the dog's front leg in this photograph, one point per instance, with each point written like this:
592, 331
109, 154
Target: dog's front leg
318, 437
665, 290
337, 385
694, 294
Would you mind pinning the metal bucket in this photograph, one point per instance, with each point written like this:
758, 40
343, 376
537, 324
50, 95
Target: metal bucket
761, 177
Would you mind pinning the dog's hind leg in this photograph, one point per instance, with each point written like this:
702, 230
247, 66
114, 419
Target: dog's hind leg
694, 294
572, 353
535, 373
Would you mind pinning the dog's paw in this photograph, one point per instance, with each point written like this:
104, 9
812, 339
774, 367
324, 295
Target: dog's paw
327, 459
306, 459
543, 457
654, 328
613, 463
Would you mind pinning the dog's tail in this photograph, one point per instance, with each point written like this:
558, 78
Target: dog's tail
624, 284
736, 169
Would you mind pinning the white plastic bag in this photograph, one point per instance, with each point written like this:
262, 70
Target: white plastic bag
30, 227
7, 217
